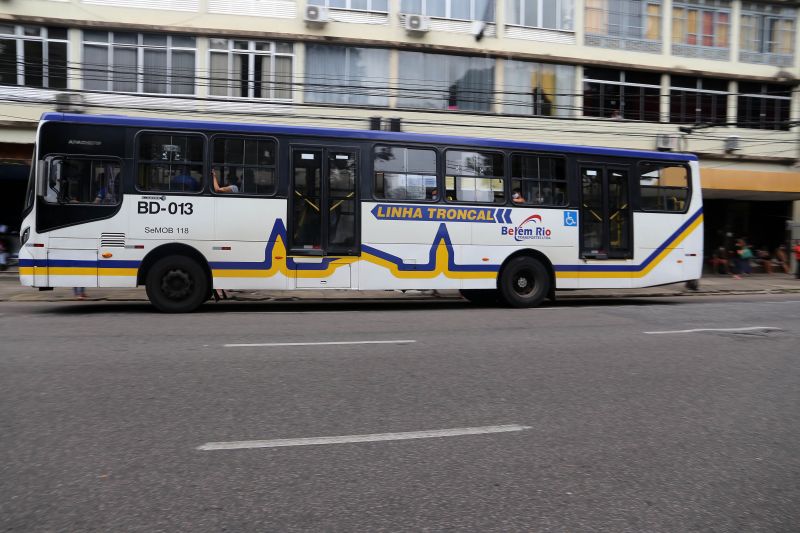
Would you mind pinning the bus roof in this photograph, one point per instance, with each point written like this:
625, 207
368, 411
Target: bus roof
339, 133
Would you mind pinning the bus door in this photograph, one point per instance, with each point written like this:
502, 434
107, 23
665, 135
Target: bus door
323, 214
605, 221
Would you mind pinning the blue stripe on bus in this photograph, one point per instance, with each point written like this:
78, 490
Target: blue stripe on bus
441, 235
75, 263
354, 134
632, 268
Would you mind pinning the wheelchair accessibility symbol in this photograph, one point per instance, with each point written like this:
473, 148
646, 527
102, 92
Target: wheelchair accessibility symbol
570, 218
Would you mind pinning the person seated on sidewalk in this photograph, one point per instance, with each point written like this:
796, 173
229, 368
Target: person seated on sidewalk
763, 260
719, 261
781, 259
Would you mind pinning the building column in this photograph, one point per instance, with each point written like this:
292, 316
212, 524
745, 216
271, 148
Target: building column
299, 73
664, 100
499, 85
734, 30
394, 76
202, 68
733, 103
75, 58
578, 23
666, 28
499, 18
578, 91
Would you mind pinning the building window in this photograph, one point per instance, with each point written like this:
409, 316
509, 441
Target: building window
346, 75
698, 100
138, 62
451, 9
33, 56
475, 177
251, 69
763, 106
767, 34
437, 81
701, 26
170, 162
621, 95
538, 89
538, 180
360, 5
405, 173
626, 24
550, 14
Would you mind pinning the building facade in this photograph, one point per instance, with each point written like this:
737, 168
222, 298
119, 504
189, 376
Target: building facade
718, 78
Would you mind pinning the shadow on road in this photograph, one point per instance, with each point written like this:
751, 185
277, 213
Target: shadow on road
283, 306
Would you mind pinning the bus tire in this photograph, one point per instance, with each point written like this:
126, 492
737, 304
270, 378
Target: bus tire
177, 284
480, 296
524, 282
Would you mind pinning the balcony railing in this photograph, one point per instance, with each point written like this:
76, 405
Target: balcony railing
701, 52
766, 58
624, 43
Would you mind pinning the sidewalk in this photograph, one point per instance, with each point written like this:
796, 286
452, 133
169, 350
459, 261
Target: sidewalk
12, 291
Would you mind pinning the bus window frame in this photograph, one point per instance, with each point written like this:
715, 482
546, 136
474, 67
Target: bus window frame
210, 164
552, 155
689, 190
504, 177
46, 162
437, 172
137, 159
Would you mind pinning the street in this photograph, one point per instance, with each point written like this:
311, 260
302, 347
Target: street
631, 414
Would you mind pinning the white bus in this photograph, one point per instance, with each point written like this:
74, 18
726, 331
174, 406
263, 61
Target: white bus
121, 202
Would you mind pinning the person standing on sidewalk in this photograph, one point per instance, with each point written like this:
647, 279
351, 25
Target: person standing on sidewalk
743, 257
797, 258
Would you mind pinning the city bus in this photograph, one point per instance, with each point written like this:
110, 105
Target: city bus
185, 208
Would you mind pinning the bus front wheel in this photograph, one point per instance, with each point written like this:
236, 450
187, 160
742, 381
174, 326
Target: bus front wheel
524, 282
176, 284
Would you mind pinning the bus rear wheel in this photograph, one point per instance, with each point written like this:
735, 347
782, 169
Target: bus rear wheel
177, 284
480, 296
524, 282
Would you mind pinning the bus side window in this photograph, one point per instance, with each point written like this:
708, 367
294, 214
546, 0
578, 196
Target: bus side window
405, 173
538, 180
663, 187
475, 177
81, 180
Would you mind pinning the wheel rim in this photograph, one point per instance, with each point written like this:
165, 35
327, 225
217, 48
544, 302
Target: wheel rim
177, 284
523, 282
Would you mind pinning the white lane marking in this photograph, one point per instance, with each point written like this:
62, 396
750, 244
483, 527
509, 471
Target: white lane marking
334, 343
752, 328
374, 437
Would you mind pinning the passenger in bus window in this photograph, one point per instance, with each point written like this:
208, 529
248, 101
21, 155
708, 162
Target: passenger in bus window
516, 197
231, 188
105, 193
184, 181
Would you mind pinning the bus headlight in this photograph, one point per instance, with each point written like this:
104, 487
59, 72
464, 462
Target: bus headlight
24, 236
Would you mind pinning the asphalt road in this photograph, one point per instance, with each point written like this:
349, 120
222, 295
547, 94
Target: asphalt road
104, 409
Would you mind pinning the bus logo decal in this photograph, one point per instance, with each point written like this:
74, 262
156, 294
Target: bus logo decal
522, 232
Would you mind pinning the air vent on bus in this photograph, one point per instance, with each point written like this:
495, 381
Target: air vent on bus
112, 240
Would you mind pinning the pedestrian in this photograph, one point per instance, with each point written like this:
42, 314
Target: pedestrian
79, 293
4, 247
743, 257
797, 257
